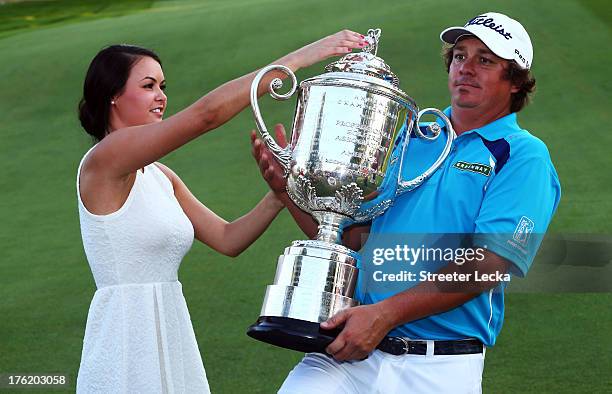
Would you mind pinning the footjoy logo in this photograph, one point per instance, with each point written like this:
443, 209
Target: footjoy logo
488, 22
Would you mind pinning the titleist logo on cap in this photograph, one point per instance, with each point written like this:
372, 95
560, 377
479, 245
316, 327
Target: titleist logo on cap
488, 22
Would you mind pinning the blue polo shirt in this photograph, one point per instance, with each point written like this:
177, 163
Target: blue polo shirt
498, 185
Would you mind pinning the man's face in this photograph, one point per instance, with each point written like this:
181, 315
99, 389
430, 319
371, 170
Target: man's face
476, 78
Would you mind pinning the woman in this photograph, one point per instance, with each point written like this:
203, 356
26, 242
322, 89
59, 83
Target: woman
138, 219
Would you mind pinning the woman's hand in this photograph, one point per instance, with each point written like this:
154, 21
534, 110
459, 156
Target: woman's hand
337, 44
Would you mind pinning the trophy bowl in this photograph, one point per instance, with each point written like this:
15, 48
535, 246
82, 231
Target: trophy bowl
346, 124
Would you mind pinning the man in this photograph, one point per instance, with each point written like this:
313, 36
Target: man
497, 185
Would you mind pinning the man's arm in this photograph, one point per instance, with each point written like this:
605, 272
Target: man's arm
526, 189
365, 326
274, 176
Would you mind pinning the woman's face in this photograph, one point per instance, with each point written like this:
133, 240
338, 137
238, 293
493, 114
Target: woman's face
142, 100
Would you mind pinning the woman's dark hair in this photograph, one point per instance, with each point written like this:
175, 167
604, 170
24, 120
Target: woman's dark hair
106, 77
522, 78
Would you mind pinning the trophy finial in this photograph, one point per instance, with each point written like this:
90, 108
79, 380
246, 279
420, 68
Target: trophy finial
366, 62
373, 36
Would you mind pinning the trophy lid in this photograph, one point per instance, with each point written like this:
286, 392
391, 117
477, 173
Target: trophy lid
366, 62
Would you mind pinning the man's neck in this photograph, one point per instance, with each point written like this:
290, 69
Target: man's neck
466, 119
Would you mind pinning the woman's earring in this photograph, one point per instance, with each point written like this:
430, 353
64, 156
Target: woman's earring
113, 102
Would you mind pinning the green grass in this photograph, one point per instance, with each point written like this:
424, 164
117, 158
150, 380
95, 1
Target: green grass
550, 342
21, 16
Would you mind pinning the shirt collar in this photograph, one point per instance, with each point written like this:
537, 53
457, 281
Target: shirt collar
499, 128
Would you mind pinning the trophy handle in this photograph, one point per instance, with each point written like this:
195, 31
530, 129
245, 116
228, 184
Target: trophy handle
435, 129
282, 155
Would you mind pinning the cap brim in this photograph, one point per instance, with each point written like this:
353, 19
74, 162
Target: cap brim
452, 34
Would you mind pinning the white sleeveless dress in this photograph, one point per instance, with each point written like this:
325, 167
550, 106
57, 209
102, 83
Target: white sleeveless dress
139, 337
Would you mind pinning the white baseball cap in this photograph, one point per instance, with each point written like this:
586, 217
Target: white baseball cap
504, 36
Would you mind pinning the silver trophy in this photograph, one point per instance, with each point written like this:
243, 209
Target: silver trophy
346, 123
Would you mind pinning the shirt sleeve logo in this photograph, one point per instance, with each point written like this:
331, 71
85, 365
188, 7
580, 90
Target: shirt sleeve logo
523, 230
474, 167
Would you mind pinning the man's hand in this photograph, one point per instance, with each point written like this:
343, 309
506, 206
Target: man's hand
364, 327
270, 169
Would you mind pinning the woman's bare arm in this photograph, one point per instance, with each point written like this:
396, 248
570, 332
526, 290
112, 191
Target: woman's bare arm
228, 238
123, 152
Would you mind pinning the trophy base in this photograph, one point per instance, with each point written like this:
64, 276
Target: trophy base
294, 334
